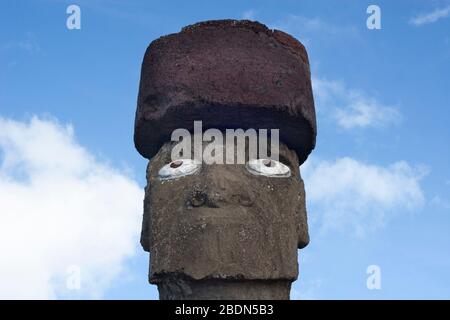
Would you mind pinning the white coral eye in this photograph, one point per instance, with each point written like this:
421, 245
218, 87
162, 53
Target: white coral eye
268, 167
179, 168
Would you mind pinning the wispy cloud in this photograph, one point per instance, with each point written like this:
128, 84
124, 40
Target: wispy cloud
28, 44
306, 289
351, 108
313, 29
249, 15
297, 22
440, 202
61, 207
356, 197
430, 17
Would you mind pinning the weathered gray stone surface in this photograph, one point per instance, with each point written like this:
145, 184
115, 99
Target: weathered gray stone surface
224, 223
229, 74
178, 288
224, 233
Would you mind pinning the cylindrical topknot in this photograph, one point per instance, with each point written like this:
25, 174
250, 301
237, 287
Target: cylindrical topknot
228, 74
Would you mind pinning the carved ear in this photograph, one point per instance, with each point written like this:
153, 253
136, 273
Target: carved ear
303, 234
145, 231
303, 237
146, 228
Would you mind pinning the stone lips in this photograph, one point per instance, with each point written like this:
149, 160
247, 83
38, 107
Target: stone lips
229, 74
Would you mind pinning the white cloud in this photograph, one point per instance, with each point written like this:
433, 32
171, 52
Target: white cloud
351, 108
29, 44
313, 29
249, 15
306, 289
440, 202
430, 17
349, 195
59, 207
310, 24
296, 23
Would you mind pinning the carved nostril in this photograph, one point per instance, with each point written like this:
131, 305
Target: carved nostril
198, 199
212, 198
245, 201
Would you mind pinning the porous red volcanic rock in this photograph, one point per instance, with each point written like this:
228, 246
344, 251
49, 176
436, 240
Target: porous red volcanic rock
229, 74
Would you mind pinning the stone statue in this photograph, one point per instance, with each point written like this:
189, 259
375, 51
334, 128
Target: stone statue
225, 231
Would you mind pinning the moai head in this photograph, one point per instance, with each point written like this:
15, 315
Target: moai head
225, 230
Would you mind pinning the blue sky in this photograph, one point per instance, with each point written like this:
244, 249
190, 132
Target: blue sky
377, 184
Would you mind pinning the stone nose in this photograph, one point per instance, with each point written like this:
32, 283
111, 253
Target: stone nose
207, 196
221, 187
198, 198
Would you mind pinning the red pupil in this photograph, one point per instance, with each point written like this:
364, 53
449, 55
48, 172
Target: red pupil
267, 162
176, 164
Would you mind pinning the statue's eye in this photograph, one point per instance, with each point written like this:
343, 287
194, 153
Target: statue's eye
179, 168
268, 167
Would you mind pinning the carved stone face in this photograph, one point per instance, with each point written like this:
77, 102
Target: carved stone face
223, 221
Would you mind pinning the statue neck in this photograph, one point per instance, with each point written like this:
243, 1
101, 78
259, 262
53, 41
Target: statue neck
223, 289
